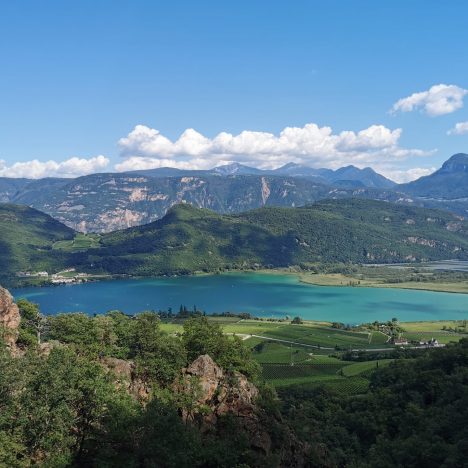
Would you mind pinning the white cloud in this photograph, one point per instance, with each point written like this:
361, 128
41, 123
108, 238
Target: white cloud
438, 100
146, 148
461, 128
72, 167
402, 176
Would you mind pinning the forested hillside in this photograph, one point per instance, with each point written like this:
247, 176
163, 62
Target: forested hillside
26, 240
360, 231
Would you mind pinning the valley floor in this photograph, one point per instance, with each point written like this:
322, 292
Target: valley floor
318, 353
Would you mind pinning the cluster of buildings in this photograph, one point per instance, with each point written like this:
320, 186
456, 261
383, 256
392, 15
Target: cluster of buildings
59, 279
63, 277
432, 343
29, 274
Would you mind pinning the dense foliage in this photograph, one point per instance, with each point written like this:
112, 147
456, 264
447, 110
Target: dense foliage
189, 240
413, 415
61, 405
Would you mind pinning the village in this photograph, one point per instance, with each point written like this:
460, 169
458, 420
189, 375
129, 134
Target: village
68, 276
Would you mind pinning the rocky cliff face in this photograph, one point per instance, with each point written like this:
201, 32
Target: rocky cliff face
108, 202
9, 319
217, 393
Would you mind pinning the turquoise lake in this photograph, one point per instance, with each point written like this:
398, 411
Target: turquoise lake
259, 294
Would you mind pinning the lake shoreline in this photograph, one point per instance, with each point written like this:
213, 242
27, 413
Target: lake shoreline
304, 277
273, 295
320, 279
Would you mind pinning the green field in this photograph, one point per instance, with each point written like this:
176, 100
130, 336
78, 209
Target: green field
444, 331
364, 368
309, 354
313, 334
273, 352
80, 243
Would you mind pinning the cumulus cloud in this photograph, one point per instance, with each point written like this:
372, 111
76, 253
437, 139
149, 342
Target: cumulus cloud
438, 100
147, 148
460, 128
403, 176
72, 167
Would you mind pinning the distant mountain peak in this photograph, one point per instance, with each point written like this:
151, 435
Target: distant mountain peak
450, 182
290, 165
235, 168
367, 176
457, 163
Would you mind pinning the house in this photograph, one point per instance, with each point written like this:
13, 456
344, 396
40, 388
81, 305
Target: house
399, 341
432, 343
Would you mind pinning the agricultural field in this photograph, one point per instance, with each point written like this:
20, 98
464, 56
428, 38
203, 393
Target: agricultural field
405, 277
284, 365
309, 353
312, 334
444, 332
79, 243
364, 368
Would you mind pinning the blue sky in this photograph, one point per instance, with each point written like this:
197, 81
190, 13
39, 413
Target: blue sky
76, 78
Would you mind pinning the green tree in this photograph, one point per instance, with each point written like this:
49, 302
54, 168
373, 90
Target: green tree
201, 336
158, 357
31, 324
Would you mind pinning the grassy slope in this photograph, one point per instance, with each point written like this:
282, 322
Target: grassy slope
26, 240
188, 239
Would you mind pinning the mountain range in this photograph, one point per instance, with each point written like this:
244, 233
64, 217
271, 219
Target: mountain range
349, 175
106, 202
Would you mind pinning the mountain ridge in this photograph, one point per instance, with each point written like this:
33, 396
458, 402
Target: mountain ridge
447, 183
104, 202
189, 239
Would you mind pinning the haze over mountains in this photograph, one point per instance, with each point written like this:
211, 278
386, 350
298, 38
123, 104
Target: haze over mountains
105, 202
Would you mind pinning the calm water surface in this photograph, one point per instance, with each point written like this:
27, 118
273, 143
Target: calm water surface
260, 294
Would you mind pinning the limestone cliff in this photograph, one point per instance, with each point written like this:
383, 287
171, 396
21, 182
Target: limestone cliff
9, 319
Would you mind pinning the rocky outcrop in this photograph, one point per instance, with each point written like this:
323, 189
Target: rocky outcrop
212, 393
216, 393
9, 319
126, 378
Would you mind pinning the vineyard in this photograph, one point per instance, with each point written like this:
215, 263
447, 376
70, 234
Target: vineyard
284, 365
311, 353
